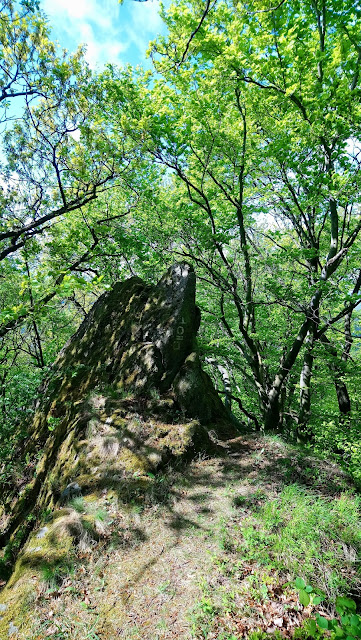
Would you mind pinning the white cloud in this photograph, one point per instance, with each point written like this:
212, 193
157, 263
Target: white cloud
146, 16
78, 9
146, 22
75, 135
111, 33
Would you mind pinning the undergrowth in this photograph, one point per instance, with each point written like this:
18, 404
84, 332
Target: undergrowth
266, 520
274, 535
298, 529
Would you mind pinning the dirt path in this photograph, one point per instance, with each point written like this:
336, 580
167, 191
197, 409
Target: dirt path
148, 575
152, 593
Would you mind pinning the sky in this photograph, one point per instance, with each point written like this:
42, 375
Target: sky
113, 33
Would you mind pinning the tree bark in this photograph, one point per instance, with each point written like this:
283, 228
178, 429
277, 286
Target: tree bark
343, 398
305, 387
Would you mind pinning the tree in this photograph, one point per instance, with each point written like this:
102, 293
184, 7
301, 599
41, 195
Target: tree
58, 153
59, 234
256, 113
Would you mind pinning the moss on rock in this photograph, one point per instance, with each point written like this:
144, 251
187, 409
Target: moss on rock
48, 548
125, 395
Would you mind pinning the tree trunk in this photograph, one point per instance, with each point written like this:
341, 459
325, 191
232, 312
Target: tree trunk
305, 384
226, 380
272, 414
343, 398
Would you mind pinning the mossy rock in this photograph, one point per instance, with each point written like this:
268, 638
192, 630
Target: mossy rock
196, 396
126, 395
47, 549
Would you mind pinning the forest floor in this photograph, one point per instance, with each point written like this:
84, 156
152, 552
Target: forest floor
210, 551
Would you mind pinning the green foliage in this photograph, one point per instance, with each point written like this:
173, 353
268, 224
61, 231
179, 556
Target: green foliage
53, 422
230, 154
261, 635
250, 202
54, 574
347, 625
341, 440
307, 594
299, 529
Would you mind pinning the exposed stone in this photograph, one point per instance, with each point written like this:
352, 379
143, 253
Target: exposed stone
195, 394
72, 490
125, 395
13, 630
171, 319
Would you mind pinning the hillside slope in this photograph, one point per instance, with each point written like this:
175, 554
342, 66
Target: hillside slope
206, 551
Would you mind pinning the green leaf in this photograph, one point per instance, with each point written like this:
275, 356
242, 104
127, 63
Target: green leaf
345, 603
312, 627
309, 589
304, 598
317, 600
322, 622
300, 583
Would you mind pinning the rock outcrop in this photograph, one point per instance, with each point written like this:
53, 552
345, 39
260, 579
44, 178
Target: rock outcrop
126, 394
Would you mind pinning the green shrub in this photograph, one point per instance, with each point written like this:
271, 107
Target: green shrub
347, 626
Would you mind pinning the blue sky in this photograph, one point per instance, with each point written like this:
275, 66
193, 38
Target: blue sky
112, 33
